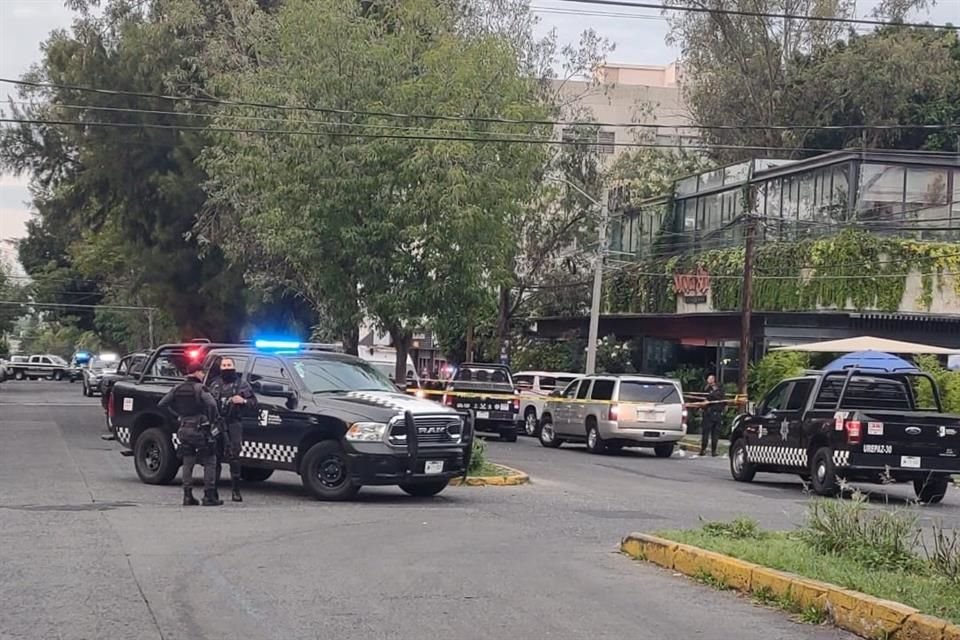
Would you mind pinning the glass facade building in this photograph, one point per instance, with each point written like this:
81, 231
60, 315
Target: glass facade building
904, 194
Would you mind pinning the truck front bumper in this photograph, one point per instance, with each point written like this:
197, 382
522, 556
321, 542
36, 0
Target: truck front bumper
381, 465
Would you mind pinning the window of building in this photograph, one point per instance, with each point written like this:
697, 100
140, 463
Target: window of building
806, 203
880, 194
926, 202
788, 211
687, 186
711, 179
606, 140
773, 209
689, 212
711, 214
955, 210
839, 193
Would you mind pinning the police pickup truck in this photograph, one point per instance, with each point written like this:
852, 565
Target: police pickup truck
488, 392
48, 366
855, 424
329, 417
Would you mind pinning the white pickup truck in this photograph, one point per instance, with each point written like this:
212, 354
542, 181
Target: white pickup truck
48, 366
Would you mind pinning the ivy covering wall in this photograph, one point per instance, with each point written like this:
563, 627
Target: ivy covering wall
852, 270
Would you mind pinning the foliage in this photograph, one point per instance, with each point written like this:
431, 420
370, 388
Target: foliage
948, 382
772, 368
613, 356
478, 459
850, 270
943, 551
566, 355
737, 529
59, 339
749, 70
874, 538
691, 378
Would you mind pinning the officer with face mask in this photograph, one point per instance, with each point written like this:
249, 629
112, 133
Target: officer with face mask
235, 398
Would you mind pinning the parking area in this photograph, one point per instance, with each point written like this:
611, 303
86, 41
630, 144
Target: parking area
88, 551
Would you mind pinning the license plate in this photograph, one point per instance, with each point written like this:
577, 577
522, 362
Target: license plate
431, 467
483, 415
910, 462
650, 416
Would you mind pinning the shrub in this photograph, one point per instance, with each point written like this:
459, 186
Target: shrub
738, 529
943, 552
478, 458
773, 368
878, 539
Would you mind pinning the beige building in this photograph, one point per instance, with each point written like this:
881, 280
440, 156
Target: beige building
641, 94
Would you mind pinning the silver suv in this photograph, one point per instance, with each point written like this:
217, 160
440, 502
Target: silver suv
614, 411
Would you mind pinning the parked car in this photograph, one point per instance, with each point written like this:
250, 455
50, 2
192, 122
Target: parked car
488, 391
94, 371
49, 366
534, 388
3, 370
615, 411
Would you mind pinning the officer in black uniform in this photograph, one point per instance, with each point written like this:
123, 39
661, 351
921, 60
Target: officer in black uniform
196, 411
712, 416
234, 398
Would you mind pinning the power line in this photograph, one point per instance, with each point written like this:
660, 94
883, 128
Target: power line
57, 305
443, 117
495, 138
760, 14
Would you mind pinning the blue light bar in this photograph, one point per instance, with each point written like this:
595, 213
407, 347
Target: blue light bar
82, 355
276, 344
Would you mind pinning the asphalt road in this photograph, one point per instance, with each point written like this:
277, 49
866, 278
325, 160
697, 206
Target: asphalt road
87, 551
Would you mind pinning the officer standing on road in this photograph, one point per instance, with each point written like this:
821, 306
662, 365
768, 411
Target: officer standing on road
712, 416
196, 411
234, 397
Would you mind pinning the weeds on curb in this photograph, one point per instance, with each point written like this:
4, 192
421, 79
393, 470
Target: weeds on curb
705, 577
943, 553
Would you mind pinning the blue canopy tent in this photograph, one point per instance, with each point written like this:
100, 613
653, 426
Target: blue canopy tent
872, 360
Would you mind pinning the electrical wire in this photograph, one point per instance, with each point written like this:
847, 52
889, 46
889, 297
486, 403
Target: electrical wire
761, 14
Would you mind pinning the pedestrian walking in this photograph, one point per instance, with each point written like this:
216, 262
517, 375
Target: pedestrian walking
712, 416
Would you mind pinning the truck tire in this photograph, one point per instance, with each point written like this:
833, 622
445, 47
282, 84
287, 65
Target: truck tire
154, 458
255, 474
424, 489
548, 437
58, 375
325, 472
823, 476
740, 467
932, 489
18, 375
664, 450
594, 441
531, 426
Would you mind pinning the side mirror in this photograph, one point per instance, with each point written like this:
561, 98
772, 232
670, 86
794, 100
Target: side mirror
273, 389
556, 393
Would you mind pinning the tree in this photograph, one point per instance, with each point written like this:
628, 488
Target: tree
399, 219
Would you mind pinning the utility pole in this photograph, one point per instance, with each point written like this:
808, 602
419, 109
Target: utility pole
150, 326
597, 291
746, 295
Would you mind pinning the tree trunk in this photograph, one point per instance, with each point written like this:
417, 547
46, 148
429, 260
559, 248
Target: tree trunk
503, 319
351, 341
468, 356
401, 342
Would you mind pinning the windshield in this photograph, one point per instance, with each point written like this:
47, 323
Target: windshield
656, 392
323, 375
100, 363
496, 375
58, 360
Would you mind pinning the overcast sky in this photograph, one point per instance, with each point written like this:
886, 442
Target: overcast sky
638, 35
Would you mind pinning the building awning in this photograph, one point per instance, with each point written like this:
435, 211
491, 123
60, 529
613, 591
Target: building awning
868, 343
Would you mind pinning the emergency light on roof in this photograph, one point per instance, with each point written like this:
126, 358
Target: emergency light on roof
82, 355
108, 357
276, 344
193, 354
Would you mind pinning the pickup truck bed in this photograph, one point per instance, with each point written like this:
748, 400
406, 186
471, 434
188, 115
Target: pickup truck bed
856, 425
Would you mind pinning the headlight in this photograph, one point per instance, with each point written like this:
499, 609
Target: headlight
366, 431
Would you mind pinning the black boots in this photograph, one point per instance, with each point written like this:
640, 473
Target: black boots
211, 499
188, 499
235, 483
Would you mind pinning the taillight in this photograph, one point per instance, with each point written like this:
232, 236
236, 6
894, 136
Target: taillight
614, 413
854, 434
516, 404
683, 420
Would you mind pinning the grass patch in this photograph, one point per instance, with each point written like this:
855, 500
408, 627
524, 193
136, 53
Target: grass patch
931, 594
488, 469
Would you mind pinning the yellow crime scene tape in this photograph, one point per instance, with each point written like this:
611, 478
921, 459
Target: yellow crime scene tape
424, 393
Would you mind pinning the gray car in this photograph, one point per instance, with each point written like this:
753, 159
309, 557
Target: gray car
614, 411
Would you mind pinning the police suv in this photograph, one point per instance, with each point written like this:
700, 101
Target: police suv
332, 418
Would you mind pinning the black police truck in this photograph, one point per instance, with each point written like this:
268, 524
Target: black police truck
330, 417
853, 424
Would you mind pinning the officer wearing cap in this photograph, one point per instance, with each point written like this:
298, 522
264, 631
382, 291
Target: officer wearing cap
196, 412
234, 397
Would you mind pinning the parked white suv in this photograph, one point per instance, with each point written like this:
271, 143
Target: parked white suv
614, 411
535, 387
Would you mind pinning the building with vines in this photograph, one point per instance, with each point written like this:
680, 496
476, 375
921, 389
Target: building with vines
848, 243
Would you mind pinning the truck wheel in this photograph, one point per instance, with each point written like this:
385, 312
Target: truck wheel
18, 375
58, 375
664, 450
154, 457
424, 489
255, 474
531, 426
932, 489
548, 437
740, 468
325, 472
594, 441
823, 476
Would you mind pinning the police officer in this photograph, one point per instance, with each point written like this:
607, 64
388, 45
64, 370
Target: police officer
234, 397
196, 411
712, 416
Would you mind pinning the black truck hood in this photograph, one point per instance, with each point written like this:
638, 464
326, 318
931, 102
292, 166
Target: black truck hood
378, 406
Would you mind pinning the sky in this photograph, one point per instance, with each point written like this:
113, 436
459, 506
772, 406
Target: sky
638, 36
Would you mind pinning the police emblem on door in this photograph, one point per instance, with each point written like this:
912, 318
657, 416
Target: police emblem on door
784, 430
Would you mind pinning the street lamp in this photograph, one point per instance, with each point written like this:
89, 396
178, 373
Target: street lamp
597, 275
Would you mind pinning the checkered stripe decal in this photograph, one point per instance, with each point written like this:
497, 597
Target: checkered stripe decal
781, 456
790, 456
268, 451
123, 435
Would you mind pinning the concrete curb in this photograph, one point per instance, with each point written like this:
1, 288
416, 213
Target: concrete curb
516, 477
864, 615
